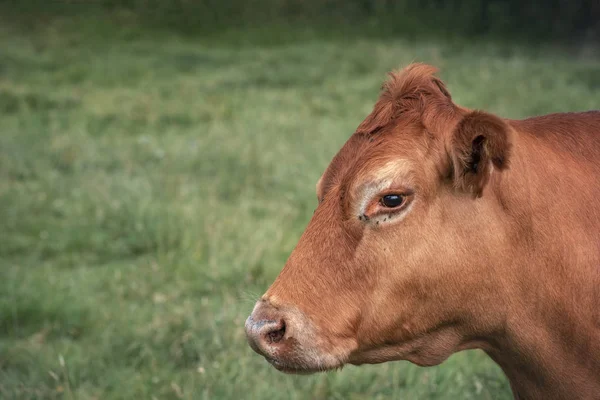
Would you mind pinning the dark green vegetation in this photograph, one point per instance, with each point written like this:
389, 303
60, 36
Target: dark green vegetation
152, 186
543, 20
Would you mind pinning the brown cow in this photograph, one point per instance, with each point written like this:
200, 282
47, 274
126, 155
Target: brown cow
441, 229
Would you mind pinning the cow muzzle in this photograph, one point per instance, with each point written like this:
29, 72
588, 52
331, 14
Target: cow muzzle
287, 340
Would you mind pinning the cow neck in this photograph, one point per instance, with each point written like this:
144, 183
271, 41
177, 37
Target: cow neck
548, 349
539, 365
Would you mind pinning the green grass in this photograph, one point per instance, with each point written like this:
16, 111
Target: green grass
152, 186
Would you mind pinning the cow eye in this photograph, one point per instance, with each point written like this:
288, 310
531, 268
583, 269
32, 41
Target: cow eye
392, 200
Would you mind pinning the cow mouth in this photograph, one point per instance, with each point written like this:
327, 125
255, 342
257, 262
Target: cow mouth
293, 369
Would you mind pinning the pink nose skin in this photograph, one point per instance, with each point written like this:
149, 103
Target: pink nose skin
265, 329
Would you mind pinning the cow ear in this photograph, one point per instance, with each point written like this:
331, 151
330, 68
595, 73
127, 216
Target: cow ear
480, 143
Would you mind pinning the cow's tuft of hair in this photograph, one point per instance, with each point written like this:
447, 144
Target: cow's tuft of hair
414, 92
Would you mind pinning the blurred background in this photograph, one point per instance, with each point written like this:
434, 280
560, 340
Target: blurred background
158, 161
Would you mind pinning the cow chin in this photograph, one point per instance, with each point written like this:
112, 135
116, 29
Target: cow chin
303, 365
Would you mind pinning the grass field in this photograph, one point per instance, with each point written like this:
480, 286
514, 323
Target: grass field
152, 186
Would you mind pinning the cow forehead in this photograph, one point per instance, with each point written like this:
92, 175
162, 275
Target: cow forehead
341, 163
367, 158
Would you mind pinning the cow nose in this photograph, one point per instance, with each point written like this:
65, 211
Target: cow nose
265, 329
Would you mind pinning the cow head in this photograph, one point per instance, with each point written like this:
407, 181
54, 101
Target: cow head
396, 260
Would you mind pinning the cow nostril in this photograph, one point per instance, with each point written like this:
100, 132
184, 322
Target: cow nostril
276, 334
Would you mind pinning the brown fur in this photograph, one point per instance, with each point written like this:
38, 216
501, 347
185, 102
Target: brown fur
513, 270
412, 93
479, 143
